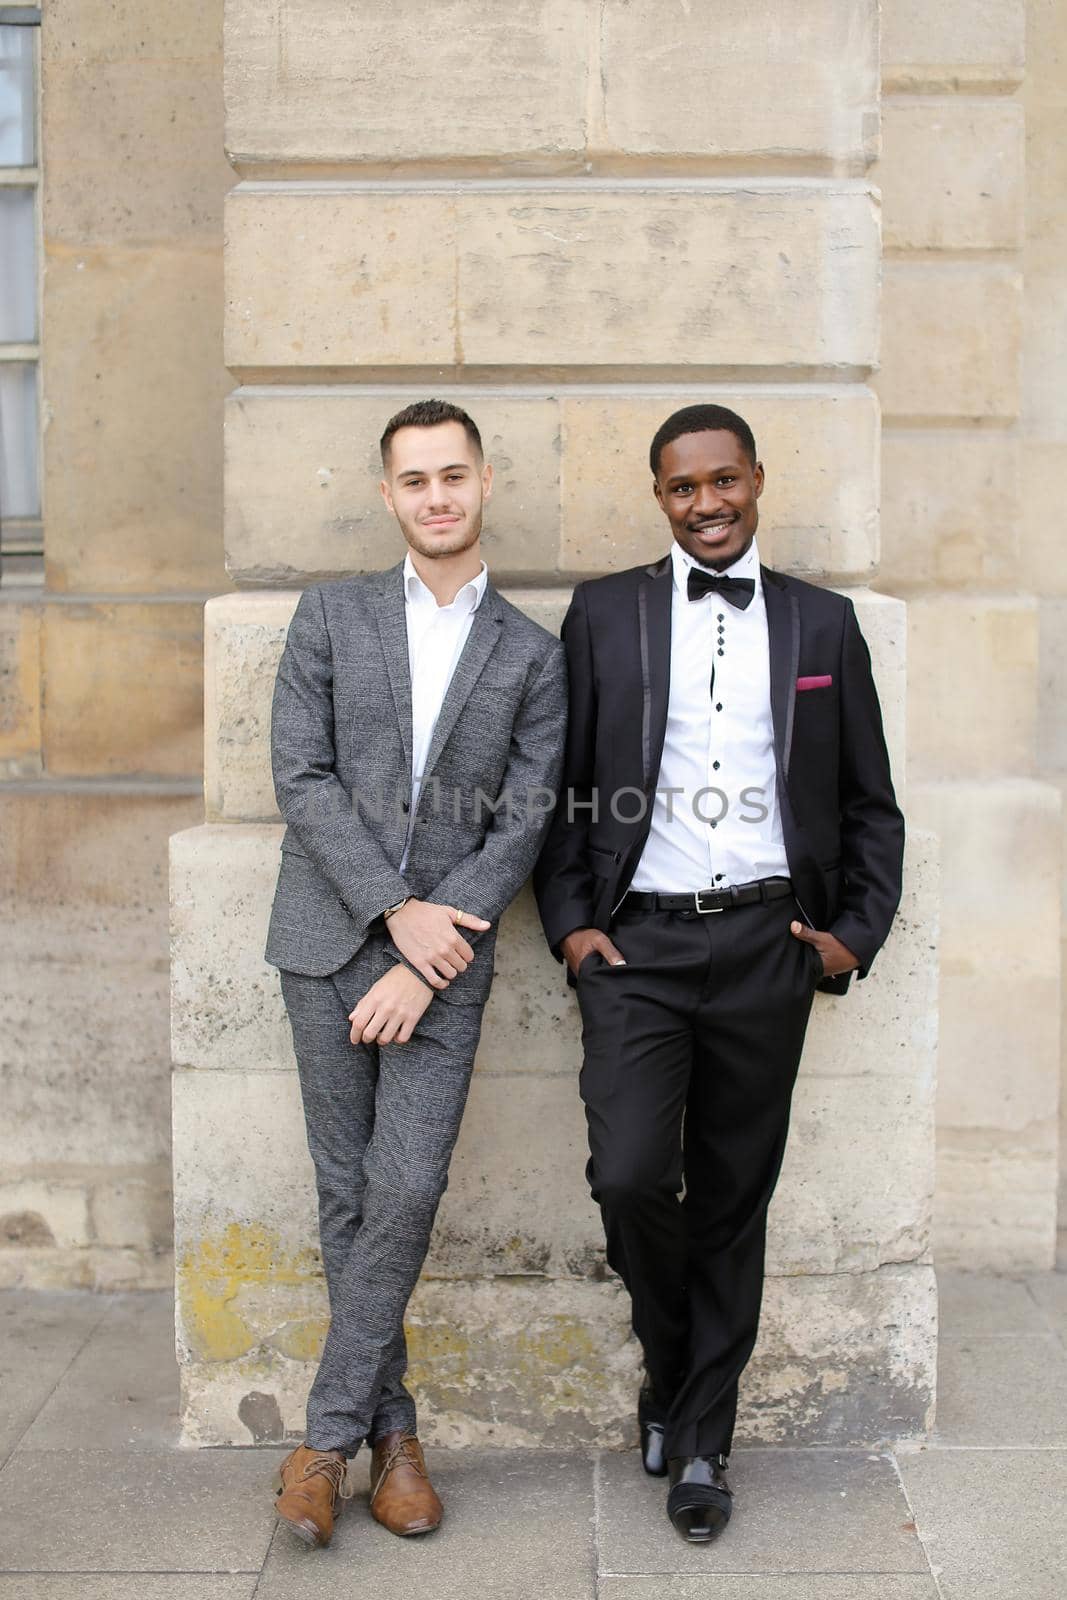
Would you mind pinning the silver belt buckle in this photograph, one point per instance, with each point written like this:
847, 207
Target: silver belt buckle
706, 911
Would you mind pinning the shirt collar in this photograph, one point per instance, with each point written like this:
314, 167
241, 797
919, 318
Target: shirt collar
467, 600
746, 566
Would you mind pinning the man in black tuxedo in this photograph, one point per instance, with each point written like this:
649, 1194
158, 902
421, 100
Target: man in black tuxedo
727, 841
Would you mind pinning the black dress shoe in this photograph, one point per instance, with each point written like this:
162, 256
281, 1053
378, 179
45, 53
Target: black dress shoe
651, 1419
699, 1500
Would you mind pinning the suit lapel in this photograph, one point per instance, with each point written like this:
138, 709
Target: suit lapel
481, 641
393, 630
783, 631
654, 628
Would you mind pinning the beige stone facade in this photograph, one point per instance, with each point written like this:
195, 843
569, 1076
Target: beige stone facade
582, 241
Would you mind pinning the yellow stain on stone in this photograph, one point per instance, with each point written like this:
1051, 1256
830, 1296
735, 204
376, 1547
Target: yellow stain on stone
212, 1273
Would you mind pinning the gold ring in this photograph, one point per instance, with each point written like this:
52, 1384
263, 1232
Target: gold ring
458, 918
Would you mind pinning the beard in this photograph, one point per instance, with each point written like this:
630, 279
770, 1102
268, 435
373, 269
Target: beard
425, 542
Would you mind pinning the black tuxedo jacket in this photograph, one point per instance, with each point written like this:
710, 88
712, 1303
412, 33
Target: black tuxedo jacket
844, 833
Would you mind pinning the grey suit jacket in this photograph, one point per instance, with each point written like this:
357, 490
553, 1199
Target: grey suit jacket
341, 752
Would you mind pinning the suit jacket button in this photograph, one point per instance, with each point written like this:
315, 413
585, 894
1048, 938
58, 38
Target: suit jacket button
405, 807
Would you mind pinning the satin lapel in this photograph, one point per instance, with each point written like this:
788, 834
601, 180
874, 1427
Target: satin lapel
481, 641
654, 623
392, 627
783, 632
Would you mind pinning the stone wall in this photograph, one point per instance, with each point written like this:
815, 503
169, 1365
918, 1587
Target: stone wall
593, 232
974, 430
100, 672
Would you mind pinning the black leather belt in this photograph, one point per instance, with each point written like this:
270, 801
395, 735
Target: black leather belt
708, 901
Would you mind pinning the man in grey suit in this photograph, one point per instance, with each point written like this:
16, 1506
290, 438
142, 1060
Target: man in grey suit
417, 741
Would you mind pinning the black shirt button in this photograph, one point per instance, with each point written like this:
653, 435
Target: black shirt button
718, 705
715, 765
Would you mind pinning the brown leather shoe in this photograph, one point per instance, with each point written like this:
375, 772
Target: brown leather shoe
311, 1484
402, 1498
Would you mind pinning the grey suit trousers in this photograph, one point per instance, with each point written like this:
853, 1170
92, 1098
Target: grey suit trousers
381, 1126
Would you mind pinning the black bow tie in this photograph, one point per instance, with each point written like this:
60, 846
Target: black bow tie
738, 591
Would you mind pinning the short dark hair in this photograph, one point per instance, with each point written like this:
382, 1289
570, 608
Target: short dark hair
701, 419
429, 414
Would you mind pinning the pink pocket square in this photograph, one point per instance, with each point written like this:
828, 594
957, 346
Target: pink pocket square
814, 683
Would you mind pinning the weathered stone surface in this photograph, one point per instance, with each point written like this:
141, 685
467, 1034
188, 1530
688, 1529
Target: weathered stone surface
819, 512
341, 278
951, 342
961, 43
133, 1209
572, 491
296, 69
801, 83
153, 169
973, 663
999, 1063
20, 688
971, 156
82, 879
133, 449
944, 494
512, 1361
302, 475
40, 1212
123, 688
246, 633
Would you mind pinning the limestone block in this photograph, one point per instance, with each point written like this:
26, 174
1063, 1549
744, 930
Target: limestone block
951, 341
994, 1209
1041, 565
341, 278
245, 635
82, 900
101, 1270
90, 31
36, 1212
973, 663
133, 1209
971, 156
944, 494
296, 69
884, 624
302, 472
133, 463
20, 689
816, 68
302, 475
123, 688
1051, 732
958, 44
848, 1359
819, 511
999, 1066
153, 168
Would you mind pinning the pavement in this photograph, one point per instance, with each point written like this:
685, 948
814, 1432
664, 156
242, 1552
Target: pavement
97, 1503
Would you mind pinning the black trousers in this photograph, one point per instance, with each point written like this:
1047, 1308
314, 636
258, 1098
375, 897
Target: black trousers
691, 1053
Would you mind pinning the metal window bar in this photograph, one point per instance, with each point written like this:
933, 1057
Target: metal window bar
21, 528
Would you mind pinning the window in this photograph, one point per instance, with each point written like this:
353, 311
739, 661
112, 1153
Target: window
21, 548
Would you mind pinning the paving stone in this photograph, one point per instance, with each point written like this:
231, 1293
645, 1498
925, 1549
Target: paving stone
973, 1303
760, 1586
518, 1524
121, 1392
39, 1338
988, 1521
794, 1511
131, 1586
998, 1392
123, 1511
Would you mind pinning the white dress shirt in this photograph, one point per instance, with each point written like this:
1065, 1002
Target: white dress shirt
436, 636
719, 738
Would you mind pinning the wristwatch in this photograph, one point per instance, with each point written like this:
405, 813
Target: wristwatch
387, 913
